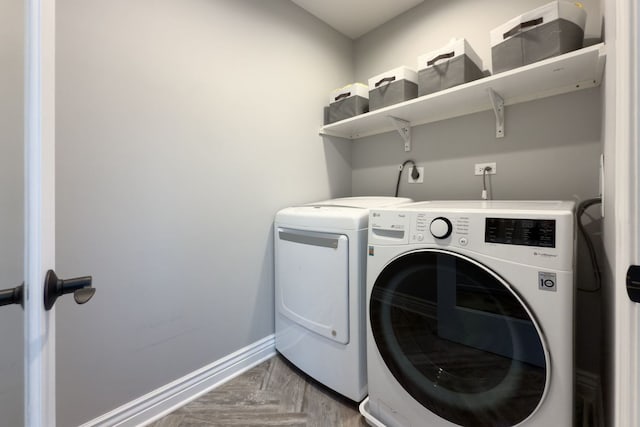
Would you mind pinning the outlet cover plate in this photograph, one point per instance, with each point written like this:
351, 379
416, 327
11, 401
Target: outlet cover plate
479, 168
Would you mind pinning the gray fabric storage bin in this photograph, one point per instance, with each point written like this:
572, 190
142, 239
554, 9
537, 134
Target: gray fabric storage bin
392, 87
451, 65
346, 102
347, 107
392, 93
445, 75
542, 33
546, 41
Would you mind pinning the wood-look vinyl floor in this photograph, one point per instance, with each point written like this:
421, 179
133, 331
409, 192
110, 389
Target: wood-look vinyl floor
274, 393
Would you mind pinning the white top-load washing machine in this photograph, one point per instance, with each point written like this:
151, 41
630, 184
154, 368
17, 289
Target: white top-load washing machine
319, 289
470, 314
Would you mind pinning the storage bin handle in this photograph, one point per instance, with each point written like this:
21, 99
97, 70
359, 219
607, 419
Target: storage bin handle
439, 57
342, 95
385, 80
521, 26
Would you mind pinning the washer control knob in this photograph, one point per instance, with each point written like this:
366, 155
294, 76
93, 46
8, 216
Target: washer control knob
440, 228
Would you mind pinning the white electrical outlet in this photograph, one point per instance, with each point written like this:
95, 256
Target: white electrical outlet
479, 168
420, 179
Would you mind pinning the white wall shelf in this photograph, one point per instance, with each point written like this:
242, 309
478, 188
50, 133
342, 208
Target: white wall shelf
572, 71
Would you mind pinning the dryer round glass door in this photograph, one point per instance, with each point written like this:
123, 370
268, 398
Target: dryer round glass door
458, 339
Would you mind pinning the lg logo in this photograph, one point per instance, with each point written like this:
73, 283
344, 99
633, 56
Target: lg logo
546, 281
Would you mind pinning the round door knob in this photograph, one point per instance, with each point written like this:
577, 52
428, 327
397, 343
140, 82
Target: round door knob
440, 228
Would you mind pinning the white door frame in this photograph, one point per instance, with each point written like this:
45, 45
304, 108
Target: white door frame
626, 381
39, 346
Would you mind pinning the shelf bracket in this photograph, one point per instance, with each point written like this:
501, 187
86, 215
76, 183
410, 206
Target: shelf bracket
404, 129
498, 109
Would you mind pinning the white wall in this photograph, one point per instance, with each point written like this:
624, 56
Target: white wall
182, 128
11, 208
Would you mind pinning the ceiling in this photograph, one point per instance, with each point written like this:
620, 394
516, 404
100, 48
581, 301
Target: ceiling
354, 18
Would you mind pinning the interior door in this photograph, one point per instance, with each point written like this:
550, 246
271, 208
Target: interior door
622, 211
39, 210
634, 76
28, 332
27, 215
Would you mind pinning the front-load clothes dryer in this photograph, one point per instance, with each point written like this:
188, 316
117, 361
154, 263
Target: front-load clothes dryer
470, 314
319, 289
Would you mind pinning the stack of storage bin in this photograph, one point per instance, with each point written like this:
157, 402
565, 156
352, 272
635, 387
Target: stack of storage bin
550, 30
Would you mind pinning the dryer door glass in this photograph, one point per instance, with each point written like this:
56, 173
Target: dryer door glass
458, 339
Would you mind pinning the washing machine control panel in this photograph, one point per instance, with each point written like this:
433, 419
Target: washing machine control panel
523, 236
442, 229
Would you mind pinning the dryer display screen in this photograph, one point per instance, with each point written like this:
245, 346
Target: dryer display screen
525, 232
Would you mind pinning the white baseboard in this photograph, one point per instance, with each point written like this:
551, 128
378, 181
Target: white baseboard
170, 397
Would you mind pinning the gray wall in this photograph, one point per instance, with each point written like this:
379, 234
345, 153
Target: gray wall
551, 146
11, 208
550, 151
182, 128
